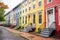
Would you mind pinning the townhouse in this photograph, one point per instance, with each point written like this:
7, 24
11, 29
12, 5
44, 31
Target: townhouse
52, 14
33, 13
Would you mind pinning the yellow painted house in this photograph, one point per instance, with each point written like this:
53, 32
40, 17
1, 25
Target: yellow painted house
33, 12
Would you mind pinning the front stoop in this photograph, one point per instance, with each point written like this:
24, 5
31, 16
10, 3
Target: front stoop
28, 35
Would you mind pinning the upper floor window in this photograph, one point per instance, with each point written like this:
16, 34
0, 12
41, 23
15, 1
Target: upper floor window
23, 11
33, 6
20, 12
26, 20
23, 20
29, 8
33, 18
39, 2
48, 1
26, 9
33, 0
39, 17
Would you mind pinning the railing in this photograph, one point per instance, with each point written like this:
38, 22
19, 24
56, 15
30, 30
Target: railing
52, 25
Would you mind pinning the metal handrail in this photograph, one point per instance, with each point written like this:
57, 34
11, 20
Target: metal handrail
52, 24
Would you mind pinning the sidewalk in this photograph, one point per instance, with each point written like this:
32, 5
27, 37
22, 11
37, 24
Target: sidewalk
28, 36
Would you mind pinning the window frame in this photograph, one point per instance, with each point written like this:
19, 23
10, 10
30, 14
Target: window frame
34, 6
39, 3
41, 16
25, 19
33, 18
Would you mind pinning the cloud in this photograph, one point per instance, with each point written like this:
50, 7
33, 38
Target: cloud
11, 4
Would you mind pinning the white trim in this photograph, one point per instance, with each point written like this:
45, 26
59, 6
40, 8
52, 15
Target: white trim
58, 15
47, 24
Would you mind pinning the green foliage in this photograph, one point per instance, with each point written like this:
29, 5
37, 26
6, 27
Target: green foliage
2, 14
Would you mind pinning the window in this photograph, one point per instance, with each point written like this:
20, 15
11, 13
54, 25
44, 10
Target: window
26, 9
29, 8
20, 12
33, 6
48, 1
23, 20
39, 2
33, 0
26, 20
23, 11
20, 20
40, 17
59, 15
33, 18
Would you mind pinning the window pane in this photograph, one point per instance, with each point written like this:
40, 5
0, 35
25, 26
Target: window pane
48, 1
33, 18
39, 0
23, 20
26, 20
33, 6
40, 3
40, 16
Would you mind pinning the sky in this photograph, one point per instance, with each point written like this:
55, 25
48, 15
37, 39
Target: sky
11, 4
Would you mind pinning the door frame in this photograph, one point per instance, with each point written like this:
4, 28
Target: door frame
47, 23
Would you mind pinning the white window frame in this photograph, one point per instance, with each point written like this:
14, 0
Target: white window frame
39, 1
38, 16
58, 15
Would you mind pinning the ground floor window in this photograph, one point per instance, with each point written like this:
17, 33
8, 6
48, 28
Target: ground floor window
23, 20
20, 20
33, 18
26, 20
39, 17
59, 15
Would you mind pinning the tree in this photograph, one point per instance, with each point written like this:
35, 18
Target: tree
1, 14
2, 7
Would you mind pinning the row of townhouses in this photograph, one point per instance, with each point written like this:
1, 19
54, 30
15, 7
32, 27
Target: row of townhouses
40, 13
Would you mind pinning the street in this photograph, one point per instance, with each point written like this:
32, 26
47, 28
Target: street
6, 35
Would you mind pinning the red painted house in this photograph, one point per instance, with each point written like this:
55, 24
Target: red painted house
52, 14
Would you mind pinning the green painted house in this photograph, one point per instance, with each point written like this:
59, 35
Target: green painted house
20, 18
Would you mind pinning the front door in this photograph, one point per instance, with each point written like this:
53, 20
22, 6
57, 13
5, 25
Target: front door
50, 18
